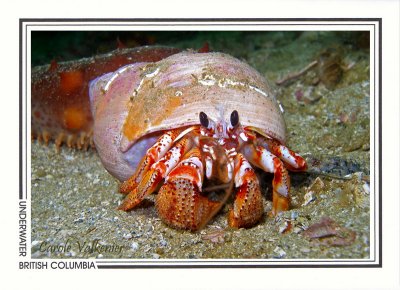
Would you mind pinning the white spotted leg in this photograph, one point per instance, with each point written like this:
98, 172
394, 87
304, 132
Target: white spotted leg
293, 161
262, 158
153, 154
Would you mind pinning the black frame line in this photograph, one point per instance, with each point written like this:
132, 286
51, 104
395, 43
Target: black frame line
176, 264
183, 20
20, 113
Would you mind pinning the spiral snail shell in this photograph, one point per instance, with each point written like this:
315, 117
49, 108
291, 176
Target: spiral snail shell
134, 105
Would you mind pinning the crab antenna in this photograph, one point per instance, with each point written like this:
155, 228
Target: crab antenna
223, 129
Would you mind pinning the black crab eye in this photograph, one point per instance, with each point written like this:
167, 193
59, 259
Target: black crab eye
204, 119
234, 118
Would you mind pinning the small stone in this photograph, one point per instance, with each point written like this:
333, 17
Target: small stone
308, 197
366, 188
149, 228
69, 157
71, 254
127, 236
297, 230
136, 234
284, 227
78, 220
337, 191
147, 248
281, 253
304, 250
41, 173
294, 215
35, 243
134, 246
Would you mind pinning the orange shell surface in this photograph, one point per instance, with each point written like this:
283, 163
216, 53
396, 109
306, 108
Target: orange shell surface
143, 99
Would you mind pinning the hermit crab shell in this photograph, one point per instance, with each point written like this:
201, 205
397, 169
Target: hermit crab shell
134, 105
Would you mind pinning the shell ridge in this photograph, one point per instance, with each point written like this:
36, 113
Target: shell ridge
169, 94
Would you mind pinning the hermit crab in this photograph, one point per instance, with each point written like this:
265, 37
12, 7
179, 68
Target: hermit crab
192, 119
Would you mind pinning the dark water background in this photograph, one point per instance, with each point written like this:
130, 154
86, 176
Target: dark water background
72, 45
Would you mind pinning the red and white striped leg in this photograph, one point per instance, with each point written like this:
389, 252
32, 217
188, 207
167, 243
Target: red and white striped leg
179, 201
157, 172
247, 208
261, 157
153, 154
293, 161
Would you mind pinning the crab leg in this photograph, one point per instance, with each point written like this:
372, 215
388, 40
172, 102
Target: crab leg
293, 161
153, 154
247, 208
157, 172
261, 157
179, 201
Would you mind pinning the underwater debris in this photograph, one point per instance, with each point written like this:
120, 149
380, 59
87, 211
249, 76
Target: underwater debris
329, 233
216, 235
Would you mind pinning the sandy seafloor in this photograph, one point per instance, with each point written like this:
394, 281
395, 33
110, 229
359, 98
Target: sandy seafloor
74, 199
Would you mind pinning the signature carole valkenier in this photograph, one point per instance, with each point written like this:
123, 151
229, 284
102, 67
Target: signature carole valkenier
95, 246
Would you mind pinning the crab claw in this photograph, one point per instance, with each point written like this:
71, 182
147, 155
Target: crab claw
248, 208
179, 202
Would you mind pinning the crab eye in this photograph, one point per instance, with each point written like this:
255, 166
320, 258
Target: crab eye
234, 118
204, 119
